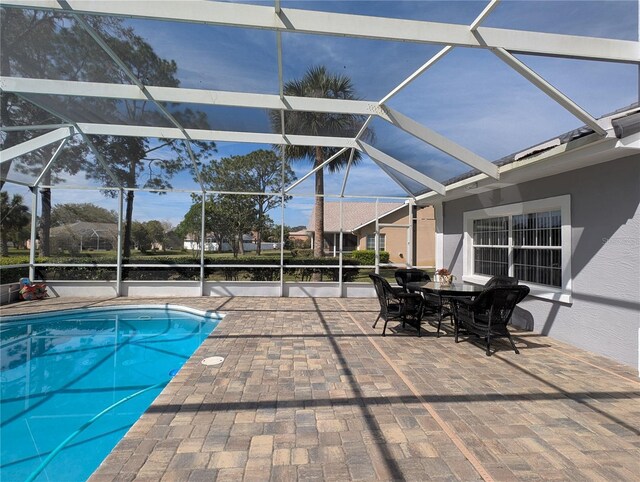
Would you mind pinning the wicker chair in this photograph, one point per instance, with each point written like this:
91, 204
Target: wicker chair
410, 275
499, 280
488, 314
395, 304
432, 302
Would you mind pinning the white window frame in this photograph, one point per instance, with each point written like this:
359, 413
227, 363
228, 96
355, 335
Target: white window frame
382, 241
558, 203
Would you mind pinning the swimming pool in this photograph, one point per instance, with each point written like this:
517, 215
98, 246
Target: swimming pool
59, 370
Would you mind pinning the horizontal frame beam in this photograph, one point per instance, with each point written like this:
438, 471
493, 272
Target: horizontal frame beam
36, 143
211, 135
401, 167
268, 101
348, 25
442, 143
41, 127
395, 178
317, 168
21, 85
549, 89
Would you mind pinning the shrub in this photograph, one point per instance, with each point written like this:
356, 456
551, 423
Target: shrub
305, 274
213, 270
13, 275
368, 256
302, 253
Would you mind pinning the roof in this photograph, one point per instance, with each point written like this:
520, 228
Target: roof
354, 215
631, 111
576, 149
85, 228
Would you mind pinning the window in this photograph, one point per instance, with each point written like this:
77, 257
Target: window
531, 241
371, 242
490, 246
537, 247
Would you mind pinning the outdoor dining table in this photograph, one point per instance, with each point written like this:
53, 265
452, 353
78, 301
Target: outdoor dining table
449, 292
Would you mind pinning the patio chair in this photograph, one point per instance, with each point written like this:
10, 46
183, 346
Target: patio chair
488, 314
395, 304
432, 302
410, 275
500, 280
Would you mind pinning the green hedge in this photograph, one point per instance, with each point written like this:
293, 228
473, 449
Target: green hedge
212, 272
368, 256
13, 275
302, 253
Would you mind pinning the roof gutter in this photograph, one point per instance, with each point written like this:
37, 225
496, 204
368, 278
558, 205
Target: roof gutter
582, 147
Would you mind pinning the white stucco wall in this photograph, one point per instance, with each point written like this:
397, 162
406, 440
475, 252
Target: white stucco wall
165, 289
604, 316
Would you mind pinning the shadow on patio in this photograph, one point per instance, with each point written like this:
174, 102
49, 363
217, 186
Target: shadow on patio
309, 390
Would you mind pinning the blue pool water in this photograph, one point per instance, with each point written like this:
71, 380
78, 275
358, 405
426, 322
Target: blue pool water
60, 370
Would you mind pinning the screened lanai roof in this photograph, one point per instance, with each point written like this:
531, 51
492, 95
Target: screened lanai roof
447, 88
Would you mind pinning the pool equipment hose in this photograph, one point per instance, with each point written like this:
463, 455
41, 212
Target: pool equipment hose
64, 443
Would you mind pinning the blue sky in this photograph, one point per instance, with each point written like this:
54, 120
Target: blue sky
469, 96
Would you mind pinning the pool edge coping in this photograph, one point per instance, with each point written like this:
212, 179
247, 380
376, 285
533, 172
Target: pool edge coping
212, 314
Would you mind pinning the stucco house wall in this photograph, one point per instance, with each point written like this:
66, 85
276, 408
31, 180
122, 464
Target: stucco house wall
604, 313
396, 238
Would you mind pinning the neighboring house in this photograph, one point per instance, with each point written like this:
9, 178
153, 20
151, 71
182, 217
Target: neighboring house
84, 236
564, 218
248, 243
395, 231
300, 237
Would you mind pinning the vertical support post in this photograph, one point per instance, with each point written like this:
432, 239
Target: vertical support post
438, 214
203, 240
340, 257
34, 229
335, 245
411, 235
282, 200
119, 242
283, 157
510, 266
376, 240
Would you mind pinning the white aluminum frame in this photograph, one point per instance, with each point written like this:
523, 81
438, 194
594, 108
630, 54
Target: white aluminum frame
504, 43
348, 25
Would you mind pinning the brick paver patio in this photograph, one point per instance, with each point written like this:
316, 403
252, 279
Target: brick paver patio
308, 390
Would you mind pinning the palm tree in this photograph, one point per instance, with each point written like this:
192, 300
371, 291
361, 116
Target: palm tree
318, 82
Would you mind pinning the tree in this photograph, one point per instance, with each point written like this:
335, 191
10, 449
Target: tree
318, 82
53, 45
145, 234
156, 232
14, 216
50, 45
140, 236
257, 172
74, 212
173, 240
128, 157
227, 218
191, 222
231, 216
